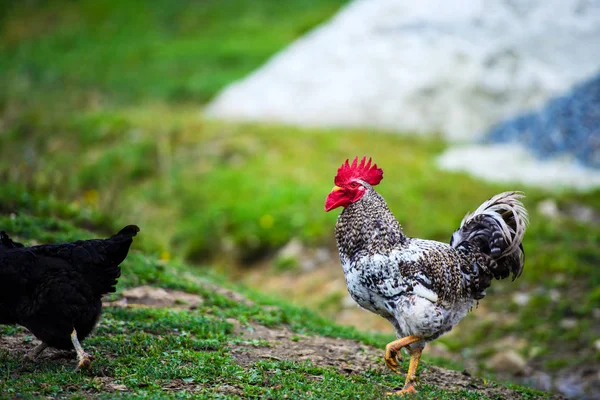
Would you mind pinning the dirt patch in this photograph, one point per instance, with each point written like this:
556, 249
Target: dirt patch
148, 296
347, 356
230, 294
21, 343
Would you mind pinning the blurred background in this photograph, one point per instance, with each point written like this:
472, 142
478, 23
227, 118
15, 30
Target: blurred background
217, 126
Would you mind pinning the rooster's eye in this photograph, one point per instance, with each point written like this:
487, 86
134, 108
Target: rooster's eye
353, 184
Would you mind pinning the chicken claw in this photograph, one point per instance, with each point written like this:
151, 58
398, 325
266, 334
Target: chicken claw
84, 359
411, 375
85, 362
391, 358
406, 390
392, 350
34, 353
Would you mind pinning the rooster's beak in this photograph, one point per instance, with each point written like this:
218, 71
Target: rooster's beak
334, 199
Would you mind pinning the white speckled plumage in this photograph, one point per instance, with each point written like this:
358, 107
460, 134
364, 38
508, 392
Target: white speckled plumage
424, 287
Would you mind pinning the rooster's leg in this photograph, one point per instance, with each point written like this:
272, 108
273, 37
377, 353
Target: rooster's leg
393, 348
411, 376
34, 353
84, 359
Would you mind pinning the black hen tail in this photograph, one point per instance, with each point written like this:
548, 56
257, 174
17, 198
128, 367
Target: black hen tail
117, 246
103, 272
128, 231
496, 229
7, 243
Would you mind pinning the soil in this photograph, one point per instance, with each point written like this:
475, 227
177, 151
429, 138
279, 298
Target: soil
257, 342
348, 357
149, 296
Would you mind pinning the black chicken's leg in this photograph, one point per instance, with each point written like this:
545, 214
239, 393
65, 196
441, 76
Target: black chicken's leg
84, 359
34, 353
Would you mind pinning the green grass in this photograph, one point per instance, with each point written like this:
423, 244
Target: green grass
100, 116
93, 52
170, 353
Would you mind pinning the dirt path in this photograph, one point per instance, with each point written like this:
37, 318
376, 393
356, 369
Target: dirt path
349, 357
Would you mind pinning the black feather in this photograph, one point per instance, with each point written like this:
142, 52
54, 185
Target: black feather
53, 289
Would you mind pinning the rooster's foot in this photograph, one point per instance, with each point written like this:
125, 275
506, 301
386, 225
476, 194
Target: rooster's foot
408, 389
392, 350
391, 359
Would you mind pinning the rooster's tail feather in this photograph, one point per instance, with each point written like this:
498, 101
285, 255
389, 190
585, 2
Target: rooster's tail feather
497, 228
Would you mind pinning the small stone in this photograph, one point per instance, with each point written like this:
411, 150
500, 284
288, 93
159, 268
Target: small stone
560, 278
534, 351
322, 255
521, 299
584, 214
117, 386
308, 265
554, 295
348, 302
568, 323
293, 249
507, 361
597, 344
548, 208
510, 342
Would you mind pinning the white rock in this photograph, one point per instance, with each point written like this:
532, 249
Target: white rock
293, 249
507, 361
512, 163
568, 323
521, 298
454, 66
322, 255
348, 302
548, 208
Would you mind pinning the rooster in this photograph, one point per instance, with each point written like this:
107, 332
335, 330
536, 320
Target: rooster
422, 287
55, 291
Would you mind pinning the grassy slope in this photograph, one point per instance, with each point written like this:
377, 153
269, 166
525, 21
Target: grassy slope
128, 50
144, 352
100, 111
203, 190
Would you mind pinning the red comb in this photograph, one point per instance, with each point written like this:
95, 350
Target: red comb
364, 171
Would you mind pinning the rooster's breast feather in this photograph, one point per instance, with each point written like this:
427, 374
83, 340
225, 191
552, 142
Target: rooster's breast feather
425, 268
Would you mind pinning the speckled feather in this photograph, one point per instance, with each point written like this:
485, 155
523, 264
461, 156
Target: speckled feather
425, 287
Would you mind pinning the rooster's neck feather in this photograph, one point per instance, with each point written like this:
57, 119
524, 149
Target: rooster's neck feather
368, 223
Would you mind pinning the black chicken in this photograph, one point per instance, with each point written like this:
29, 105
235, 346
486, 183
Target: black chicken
55, 290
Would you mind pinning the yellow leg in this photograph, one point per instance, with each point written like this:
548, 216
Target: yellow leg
411, 376
84, 359
393, 348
